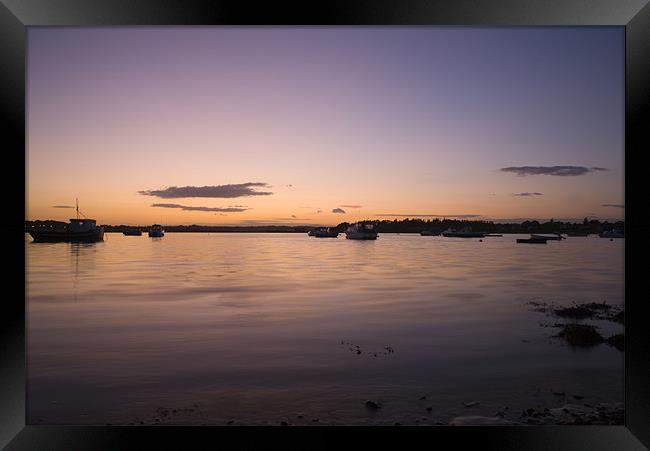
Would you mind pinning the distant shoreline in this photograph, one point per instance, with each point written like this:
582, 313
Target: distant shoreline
281, 231
436, 226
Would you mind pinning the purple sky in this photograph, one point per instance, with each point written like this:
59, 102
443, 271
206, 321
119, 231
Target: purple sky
390, 120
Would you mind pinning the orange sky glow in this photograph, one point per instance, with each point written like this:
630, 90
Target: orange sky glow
248, 126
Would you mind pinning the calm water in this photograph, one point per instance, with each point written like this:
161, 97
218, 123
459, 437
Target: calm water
249, 328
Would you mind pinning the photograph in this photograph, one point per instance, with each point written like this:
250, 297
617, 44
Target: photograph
325, 225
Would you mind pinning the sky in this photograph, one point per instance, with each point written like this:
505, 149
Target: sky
321, 125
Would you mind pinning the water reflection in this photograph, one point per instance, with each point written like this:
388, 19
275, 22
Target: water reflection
85, 252
250, 325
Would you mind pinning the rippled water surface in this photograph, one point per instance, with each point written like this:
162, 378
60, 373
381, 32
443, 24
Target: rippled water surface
262, 328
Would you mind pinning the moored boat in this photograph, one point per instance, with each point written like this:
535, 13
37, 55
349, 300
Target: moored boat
429, 233
463, 233
577, 234
554, 237
532, 240
615, 233
323, 232
132, 232
76, 231
156, 231
361, 231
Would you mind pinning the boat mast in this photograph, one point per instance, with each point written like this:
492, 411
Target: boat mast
78, 212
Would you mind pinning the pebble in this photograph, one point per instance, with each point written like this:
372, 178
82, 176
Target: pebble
372, 405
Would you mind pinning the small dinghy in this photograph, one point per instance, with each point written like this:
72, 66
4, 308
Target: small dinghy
532, 240
323, 232
556, 237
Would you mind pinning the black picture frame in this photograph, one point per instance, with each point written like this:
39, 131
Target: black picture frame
17, 15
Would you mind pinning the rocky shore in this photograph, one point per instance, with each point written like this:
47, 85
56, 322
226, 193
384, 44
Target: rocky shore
568, 414
578, 328
579, 332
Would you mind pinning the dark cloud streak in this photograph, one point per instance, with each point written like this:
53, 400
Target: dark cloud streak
560, 171
220, 191
191, 208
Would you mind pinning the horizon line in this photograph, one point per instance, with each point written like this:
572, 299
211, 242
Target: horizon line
271, 224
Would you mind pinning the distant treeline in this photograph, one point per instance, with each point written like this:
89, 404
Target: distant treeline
386, 226
216, 229
439, 225
179, 228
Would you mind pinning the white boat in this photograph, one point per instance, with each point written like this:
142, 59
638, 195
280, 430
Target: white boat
616, 233
361, 231
463, 233
77, 230
156, 231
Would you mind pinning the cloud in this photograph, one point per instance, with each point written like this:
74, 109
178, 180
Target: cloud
427, 216
351, 206
562, 171
613, 205
190, 208
221, 191
528, 194
338, 210
62, 206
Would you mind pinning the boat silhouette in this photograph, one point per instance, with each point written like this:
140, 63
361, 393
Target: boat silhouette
77, 230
